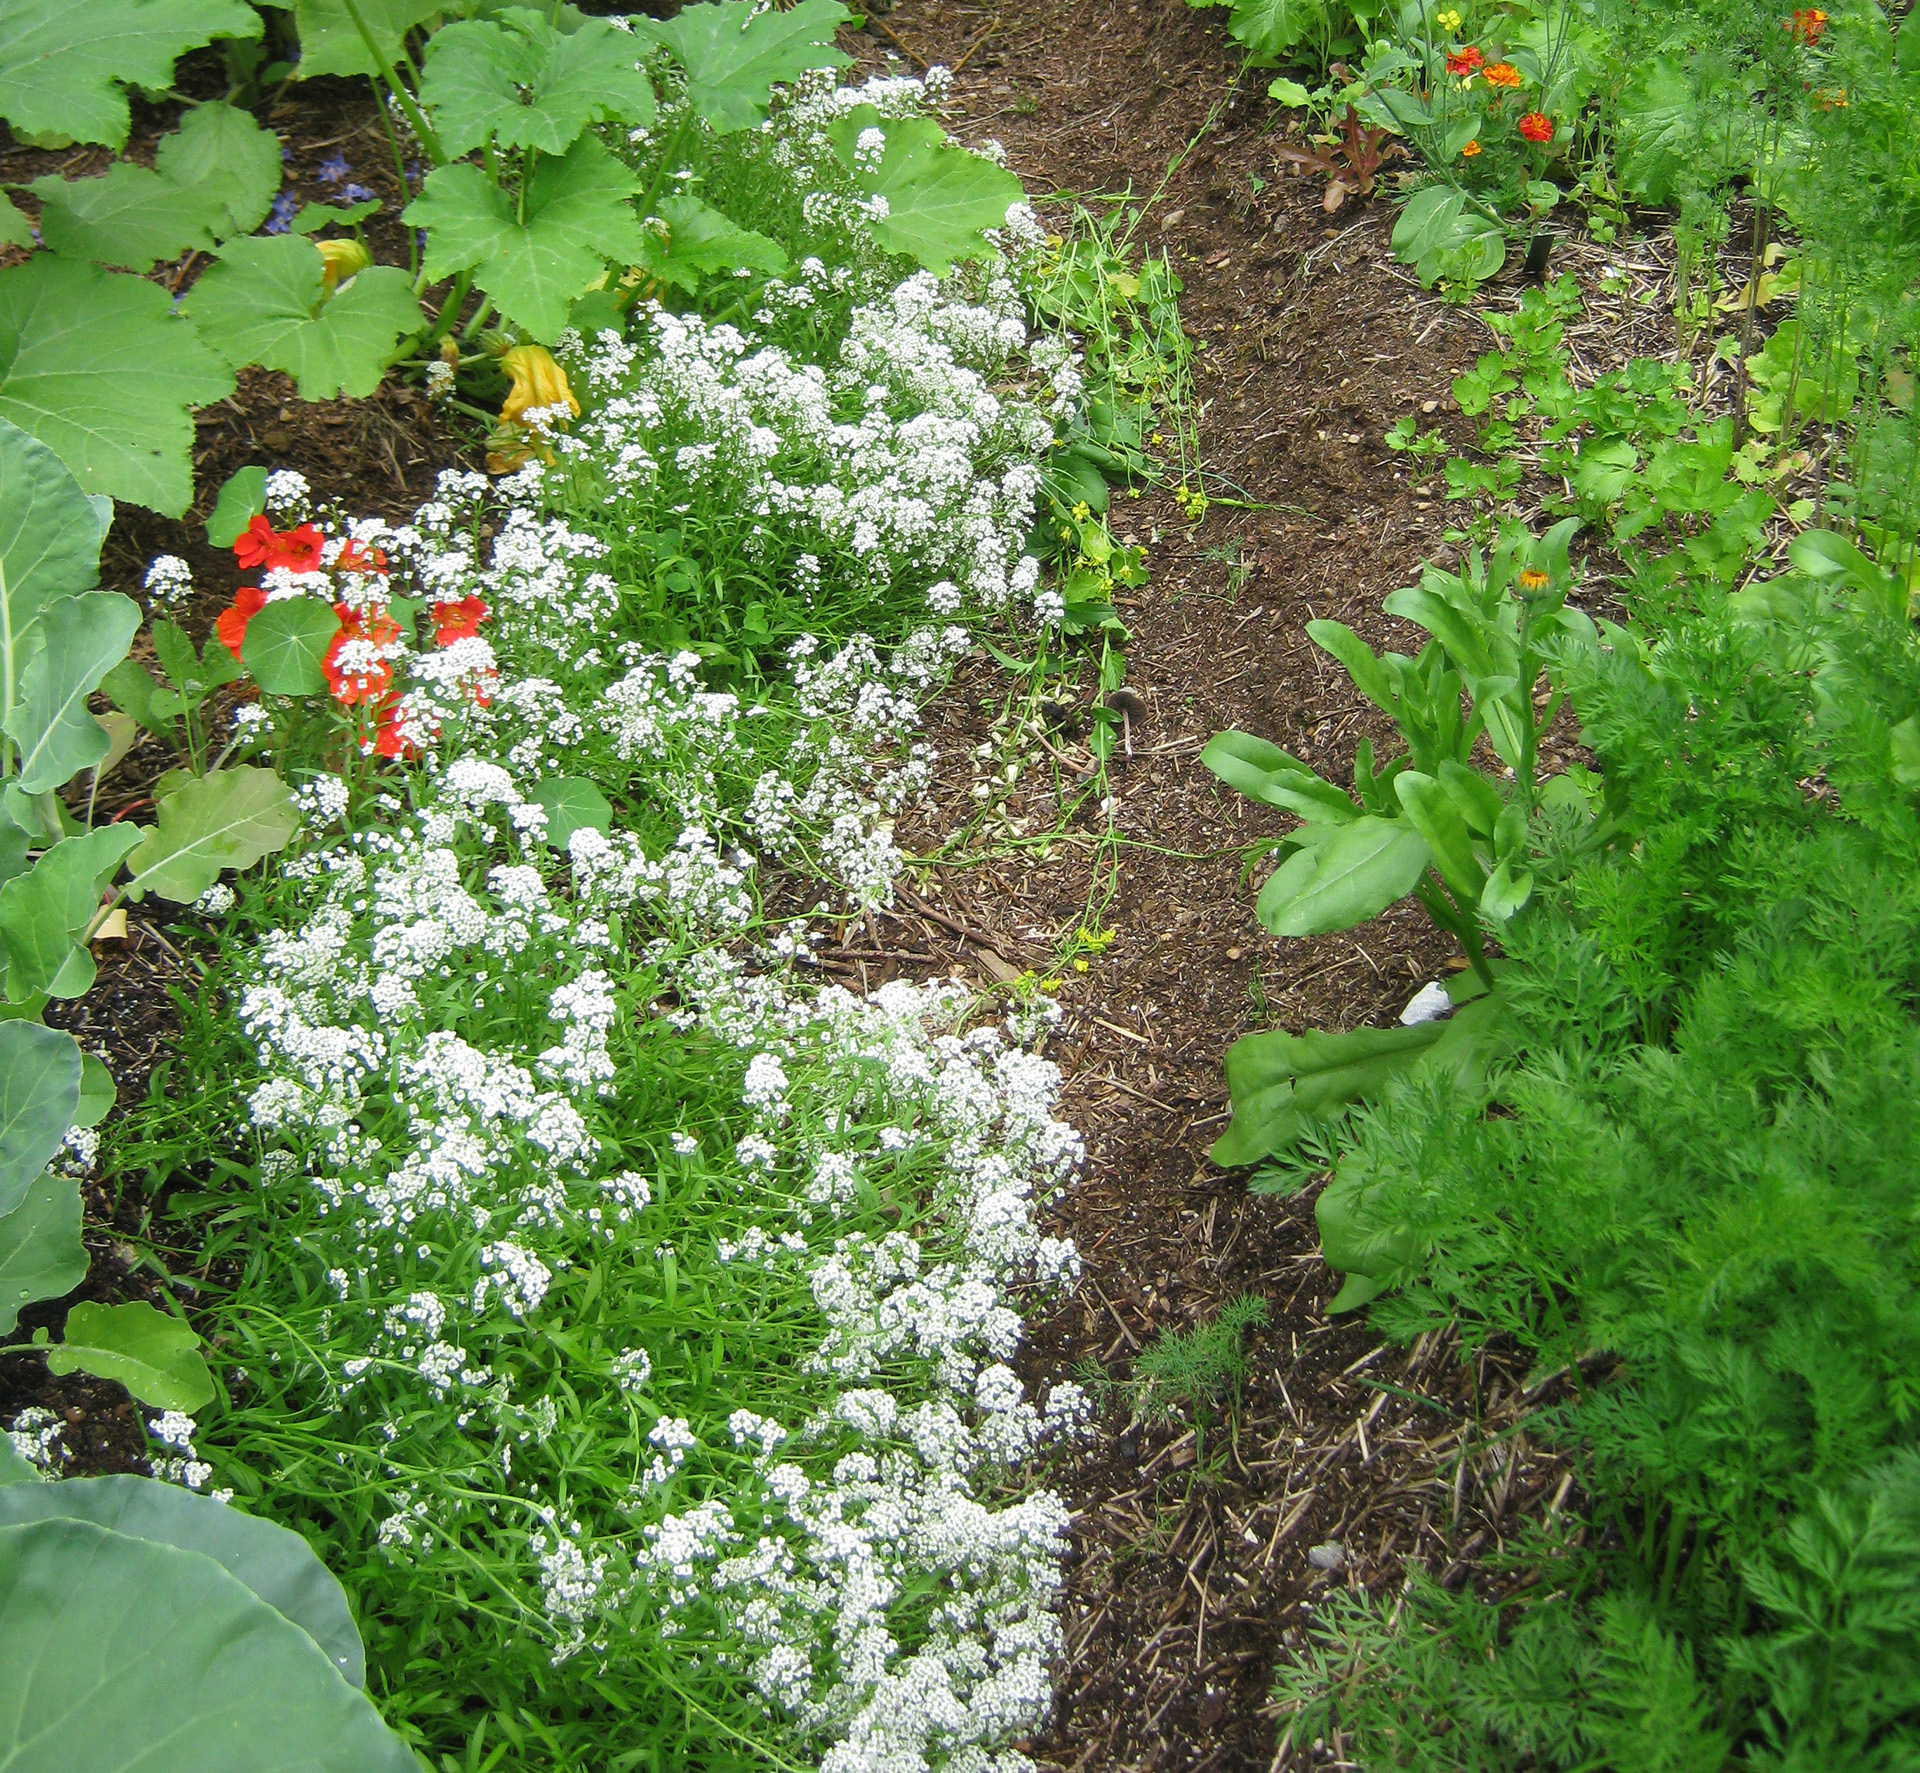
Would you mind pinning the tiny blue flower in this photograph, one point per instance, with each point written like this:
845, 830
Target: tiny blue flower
281, 216
333, 169
355, 194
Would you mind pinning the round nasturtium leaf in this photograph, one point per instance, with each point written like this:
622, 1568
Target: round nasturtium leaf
286, 643
572, 804
276, 1564
150, 1659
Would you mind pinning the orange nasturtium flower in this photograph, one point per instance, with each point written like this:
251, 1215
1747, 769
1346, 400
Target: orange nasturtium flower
1465, 61
1808, 25
1537, 126
261, 545
458, 620
1503, 74
1471, 149
248, 602
356, 667
1533, 579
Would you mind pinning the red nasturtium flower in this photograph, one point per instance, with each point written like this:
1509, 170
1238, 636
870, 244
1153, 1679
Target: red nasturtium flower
355, 667
388, 740
248, 602
1808, 25
1503, 74
458, 621
1465, 61
1537, 126
357, 557
261, 545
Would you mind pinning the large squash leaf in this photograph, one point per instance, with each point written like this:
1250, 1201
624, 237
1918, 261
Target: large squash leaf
216, 176
938, 197
63, 67
522, 84
98, 368
330, 42
1272, 29
735, 51
153, 1659
701, 242
578, 220
266, 302
221, 150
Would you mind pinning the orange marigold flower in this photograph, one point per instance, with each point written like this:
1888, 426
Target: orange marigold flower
248, 602
1471, 149
1533, 579
1503, 74
261, 545
1465, 61
1537, 126
458, 621
1807, 25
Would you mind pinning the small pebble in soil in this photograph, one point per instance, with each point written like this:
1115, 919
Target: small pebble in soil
1331, 1556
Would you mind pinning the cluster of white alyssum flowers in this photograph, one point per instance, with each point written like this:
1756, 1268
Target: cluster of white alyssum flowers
636, 1300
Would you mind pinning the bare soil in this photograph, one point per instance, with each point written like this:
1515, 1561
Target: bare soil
1190, 1573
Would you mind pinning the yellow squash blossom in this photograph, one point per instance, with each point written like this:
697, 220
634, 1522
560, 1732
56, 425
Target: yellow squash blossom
539, 384
343, 260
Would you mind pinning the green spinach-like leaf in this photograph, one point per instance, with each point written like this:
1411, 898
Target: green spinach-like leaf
39, 1089
41, 1255
155, 1356
229, 819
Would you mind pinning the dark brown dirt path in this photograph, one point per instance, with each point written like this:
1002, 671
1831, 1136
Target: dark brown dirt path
1190, 1572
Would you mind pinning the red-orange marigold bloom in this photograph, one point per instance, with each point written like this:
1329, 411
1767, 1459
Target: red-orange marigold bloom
1503, 74
1808, 24
458, 621
248, 602
261, 545
1537, 126
1465, 61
